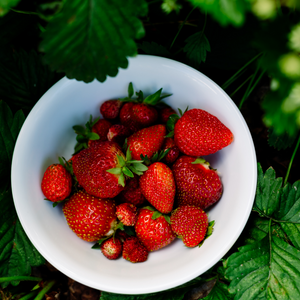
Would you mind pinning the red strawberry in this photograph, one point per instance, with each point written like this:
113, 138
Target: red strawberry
90, 168
199, 133
158, 187
132, 192
118, 133
196, 183
134, 251
165, 113
153, 230
91, 218
127, 118
146, 141
173, 153
110, 109
127, 213
190, 224
56, 183
112, 248
144, 115
122, 235
101, 128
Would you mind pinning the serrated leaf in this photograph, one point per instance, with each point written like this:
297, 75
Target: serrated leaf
6, 5
92, 41
219, 292
267, 191
196, 48
154, 49
281, 141
17, 254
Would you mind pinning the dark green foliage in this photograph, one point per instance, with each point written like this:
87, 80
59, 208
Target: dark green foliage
280, 142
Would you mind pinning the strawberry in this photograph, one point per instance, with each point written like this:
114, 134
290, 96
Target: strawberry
121, 235
91, 218
101, 127
153, 230
190, 223
56, 183
173, 153
146, 141
165, 113
111, 248
118, 133
158, 187
144, 115
127, 213
126, 117
196, 183
199, 133
132, 192
134, 251
110, 109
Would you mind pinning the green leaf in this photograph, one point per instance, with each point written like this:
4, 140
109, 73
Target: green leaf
121, 160
219, 292
224, 11
128, 155
129, 230
130, 90
17, 254
196, 48
264, 269
121, 180
127, 172
154, 98
9, 129
156, 215
79, 129
167, 218
98, 244
115, 171
172, 121
93, 136
140, 167
154, 49
281, 141
6, 5
92, 41
267, 191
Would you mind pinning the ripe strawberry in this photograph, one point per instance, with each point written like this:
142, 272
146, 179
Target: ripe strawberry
118, 133
112, 248
132, 192
190, 224
101, 128
196, 183
127, 213
153, 230
126, 117
90, 168
165, 113
134, 251
110, 109
146, 141
91, 218
199, 133
122, 235
158, 187
173, 153
56, 183
144, 115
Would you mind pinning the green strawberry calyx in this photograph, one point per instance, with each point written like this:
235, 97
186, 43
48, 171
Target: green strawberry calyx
209, 232
156, 214
204, 163
158, 156
172, 120
127, 167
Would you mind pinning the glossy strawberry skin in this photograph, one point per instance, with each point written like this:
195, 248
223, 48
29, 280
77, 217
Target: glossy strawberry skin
127, 213
173, 153
146, 141
90, 168
134, 251
118, 133
91, 218
195, 183
154, 234
189, 223
158, 187
56, 183
111, 248
101, 128
127, 118
165, 113
144, 115
110, 109
199, 133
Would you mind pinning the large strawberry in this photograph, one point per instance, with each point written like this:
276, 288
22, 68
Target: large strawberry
158, 187
153, 230
146, 141
196, 183
56, 183
199, 133
91, 218
190, 223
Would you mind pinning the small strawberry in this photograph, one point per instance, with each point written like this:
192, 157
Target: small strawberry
122, 235
165, 113
132, 192
196, 183
110, 109
91, 218
144, 115
118, 133
173, 153
153, 230
199, 133
134, 251
111, 248
127, 213
56, 183
158, 187
190, 223
146, 141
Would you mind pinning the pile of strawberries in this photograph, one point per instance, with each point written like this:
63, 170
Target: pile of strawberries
137, 180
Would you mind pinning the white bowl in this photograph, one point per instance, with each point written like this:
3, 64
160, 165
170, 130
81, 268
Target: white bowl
47, 133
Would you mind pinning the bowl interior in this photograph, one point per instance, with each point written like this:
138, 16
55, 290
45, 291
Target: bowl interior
47, 133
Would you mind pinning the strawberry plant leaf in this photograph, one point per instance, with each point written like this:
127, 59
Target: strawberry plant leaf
6, 5
92, 41
281, 141
17, 254
219, 292
153, 48
196, 48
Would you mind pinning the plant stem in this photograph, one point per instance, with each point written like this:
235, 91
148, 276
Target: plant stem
233, 93
19, 278
182, 24
291, 162
45, 289
30, 295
